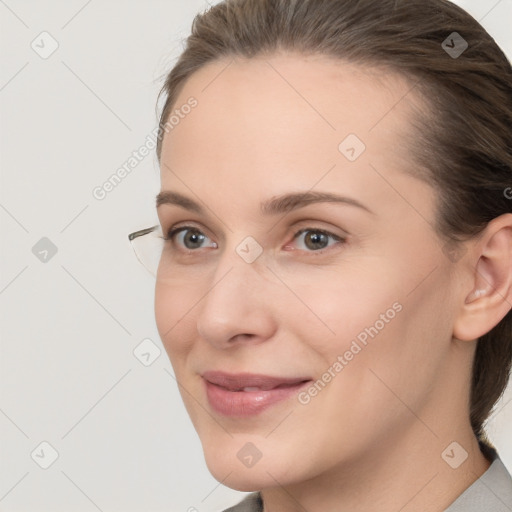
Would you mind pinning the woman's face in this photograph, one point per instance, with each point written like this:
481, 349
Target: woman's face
351, 318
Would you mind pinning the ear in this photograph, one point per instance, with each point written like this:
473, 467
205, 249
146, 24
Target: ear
490, 298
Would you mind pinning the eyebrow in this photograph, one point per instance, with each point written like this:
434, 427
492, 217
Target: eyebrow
274, 206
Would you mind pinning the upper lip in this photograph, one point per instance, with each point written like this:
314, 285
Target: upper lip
238, 381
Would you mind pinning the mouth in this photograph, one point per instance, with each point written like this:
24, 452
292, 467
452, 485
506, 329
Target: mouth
246, 394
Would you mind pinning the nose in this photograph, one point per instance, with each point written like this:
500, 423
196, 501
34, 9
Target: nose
238, 306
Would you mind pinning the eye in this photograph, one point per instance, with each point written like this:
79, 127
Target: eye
191, 240
315, 240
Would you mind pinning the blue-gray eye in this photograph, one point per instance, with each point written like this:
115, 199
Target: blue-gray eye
315, 242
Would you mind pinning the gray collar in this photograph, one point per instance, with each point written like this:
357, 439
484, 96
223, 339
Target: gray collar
492, 492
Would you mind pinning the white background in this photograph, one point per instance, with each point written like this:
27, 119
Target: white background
69, 326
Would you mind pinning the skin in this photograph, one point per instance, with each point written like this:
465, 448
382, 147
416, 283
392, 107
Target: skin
373, 437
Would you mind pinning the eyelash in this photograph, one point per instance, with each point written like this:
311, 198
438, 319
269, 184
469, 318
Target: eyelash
174, 231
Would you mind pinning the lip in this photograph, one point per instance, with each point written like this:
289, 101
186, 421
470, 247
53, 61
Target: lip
226, 394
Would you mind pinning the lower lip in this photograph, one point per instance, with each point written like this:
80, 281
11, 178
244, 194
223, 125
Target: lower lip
247, 403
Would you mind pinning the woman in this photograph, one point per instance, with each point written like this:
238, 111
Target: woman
335, 289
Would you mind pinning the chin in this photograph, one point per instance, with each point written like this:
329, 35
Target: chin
233, 467
244, 480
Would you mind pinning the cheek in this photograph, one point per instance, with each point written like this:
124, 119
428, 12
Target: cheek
173, 318
393, 354
378, 321
345, 306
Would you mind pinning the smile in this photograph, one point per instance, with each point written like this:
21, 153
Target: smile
247, 394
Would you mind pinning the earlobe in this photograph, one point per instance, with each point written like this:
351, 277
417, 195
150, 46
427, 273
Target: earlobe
490, 298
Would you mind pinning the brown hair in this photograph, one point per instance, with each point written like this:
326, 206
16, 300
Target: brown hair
462, 143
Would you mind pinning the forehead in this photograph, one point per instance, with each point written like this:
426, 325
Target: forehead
268, 123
